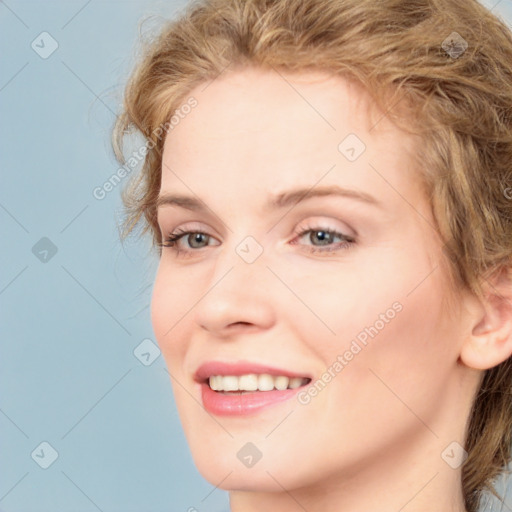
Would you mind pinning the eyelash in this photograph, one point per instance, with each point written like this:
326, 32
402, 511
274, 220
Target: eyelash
173, 238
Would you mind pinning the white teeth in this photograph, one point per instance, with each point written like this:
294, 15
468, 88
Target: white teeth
253, 382
265, 382
281, 382
295, 382
214, 382
230, 383
247, 382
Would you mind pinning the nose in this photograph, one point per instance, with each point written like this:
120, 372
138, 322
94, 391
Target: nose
237, 298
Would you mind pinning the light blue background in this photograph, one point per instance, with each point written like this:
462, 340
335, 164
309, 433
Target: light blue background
68, 373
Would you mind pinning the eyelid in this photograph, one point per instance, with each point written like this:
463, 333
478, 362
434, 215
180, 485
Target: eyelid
313, 222
328, 223
187, 226
173, 239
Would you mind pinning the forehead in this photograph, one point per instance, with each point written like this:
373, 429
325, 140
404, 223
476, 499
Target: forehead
268, 129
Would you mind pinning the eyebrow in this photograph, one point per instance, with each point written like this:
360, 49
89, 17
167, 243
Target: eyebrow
282, 200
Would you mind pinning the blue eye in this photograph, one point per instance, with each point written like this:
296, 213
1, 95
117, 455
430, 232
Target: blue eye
325, 237
173, 240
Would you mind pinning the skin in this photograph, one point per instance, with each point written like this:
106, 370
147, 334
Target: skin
373, 437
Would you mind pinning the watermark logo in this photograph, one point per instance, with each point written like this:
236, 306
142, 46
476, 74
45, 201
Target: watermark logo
44, 455
454, 45
44, 45
146, 352
351, 147
249, 455
249, 249
454, 455
44, 250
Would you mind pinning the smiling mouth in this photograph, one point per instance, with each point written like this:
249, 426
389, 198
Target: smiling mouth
250, 383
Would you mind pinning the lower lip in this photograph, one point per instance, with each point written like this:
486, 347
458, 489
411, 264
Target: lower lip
241, 404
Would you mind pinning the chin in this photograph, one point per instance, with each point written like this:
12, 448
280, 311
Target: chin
244, 479
222, 465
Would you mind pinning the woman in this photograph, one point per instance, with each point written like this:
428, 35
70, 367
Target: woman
328, 184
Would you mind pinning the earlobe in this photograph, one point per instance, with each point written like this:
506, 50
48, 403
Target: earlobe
490, 340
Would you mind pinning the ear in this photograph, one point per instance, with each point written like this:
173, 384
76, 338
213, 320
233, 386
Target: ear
490, 339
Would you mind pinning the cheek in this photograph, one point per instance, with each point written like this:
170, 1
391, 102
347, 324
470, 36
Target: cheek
353, 299
169, 307
401, 370
388, 325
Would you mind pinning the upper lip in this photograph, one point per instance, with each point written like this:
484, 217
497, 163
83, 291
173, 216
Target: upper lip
206, 370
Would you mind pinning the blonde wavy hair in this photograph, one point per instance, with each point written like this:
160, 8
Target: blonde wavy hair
459, 101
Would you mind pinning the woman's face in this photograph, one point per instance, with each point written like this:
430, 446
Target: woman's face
354, 303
